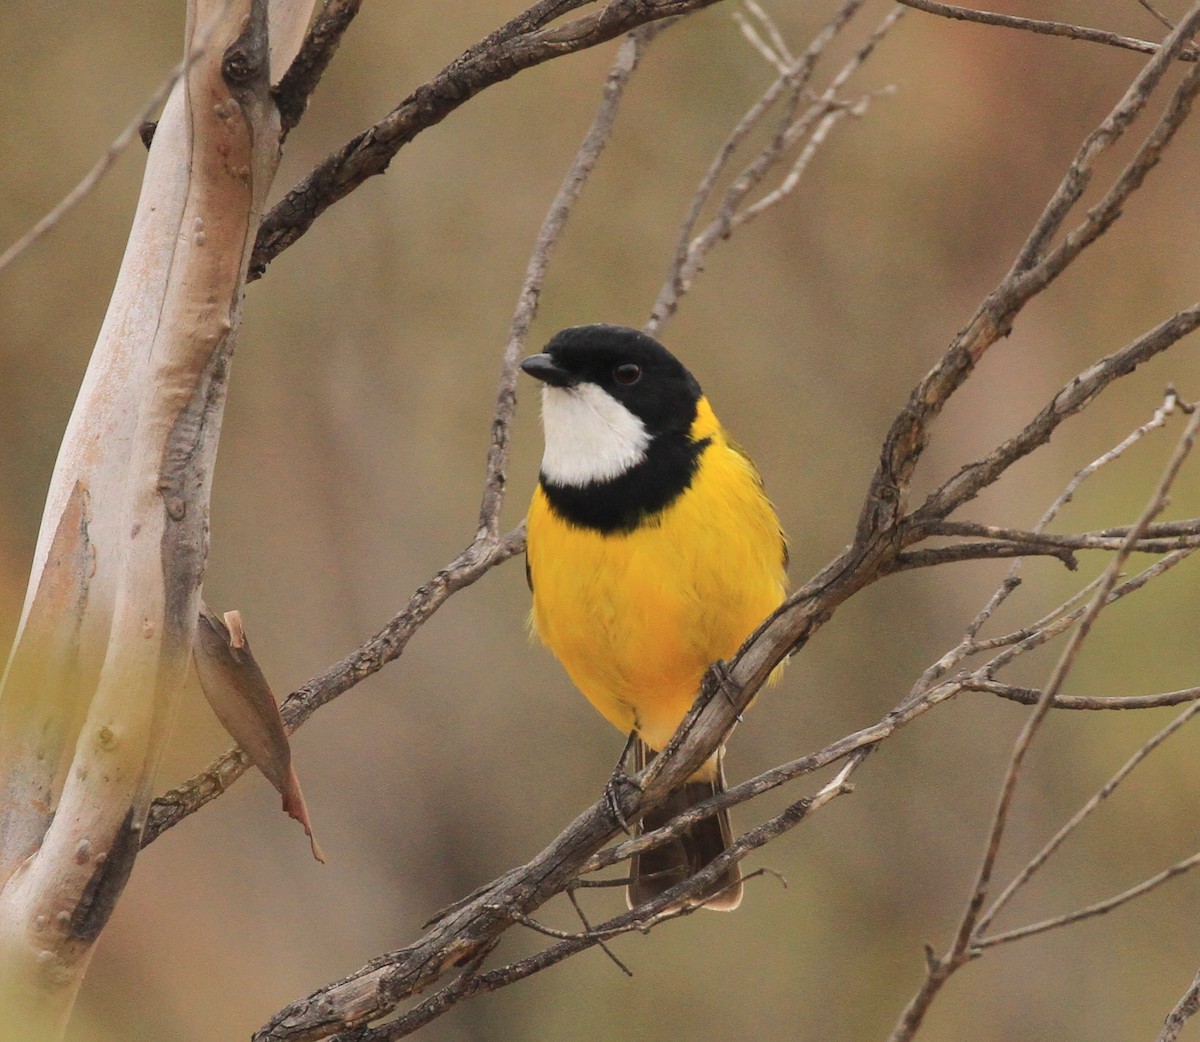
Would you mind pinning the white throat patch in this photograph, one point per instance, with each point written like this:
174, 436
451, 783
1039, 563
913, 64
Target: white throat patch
590, 436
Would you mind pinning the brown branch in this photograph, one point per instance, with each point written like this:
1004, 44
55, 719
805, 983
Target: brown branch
488, 549
320, 44
1002, 542
1036, 25
1186, 1008
1160, 535
1107, 789
476, 560
1030, 275
555, 220
1099, 908
1029, 696
971, 644
1161, 18
1062, 668
642, 918
992, 550
790, 85
522, 43
1024, 641
963, 948
1075, 395
101, 167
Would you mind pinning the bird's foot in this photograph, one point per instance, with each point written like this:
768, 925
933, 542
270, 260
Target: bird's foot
612, 795
726, 684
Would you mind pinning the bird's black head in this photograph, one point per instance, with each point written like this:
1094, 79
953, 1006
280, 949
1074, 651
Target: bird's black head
617, 409
631, 367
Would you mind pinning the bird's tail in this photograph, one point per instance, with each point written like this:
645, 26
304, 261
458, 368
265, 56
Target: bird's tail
659, 869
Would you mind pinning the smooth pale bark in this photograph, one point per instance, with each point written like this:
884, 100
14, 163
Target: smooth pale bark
106, 632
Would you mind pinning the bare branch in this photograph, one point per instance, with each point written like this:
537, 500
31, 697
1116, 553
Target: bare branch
1040, 268
1184, 1010
640, 919
971, 643
555, 220
1030, 275
1061, 619
1099, 908
1106, 790
1030, 696
989, 551
816, 122
488, 549
1174, 535
1075, 395
1162, 18
476, 560
522, 43
1059, 674
963, 947
321, 42
1036, 25
101, 167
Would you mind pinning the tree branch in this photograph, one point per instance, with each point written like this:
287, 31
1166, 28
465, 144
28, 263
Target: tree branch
1075, 395
1099, 908
1036, 25
488, 549
1030, 275
1029, 696
963, 947
522, 43
1056, 841
1186, 1008
321, 42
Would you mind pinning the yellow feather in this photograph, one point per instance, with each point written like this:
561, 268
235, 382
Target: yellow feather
637, 617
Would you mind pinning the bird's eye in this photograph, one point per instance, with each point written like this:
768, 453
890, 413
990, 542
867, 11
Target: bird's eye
627, 373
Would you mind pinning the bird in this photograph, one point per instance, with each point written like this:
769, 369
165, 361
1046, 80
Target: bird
652, 552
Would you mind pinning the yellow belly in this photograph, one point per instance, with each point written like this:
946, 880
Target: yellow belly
636, 618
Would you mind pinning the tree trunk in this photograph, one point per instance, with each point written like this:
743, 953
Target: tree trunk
106, 634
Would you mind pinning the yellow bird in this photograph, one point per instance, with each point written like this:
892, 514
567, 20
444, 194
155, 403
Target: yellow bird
653, 552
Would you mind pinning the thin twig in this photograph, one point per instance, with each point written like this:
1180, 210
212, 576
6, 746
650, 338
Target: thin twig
939, 970
1044, 633
1073, 397
523, 42
1099, 908
1036, 25
488, 549
623, 67
1106, 790
385, 646
316, 52
571, 891
101, 167
1059, 674
1174, 535
1186, 1008
789, 84
816, 122
1162, 18
1032, 272
1029, 696
778, 42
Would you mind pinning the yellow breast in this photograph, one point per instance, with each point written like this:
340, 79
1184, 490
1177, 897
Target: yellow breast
636, 617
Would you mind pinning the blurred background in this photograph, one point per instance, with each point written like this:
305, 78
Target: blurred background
351, 466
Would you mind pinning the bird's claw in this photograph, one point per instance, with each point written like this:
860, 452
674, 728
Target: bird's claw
612, 796
726, 684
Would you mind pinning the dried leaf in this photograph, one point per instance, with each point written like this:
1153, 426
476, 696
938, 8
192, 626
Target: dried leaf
239, 694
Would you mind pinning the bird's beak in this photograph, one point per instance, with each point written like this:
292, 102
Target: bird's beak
542, 367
